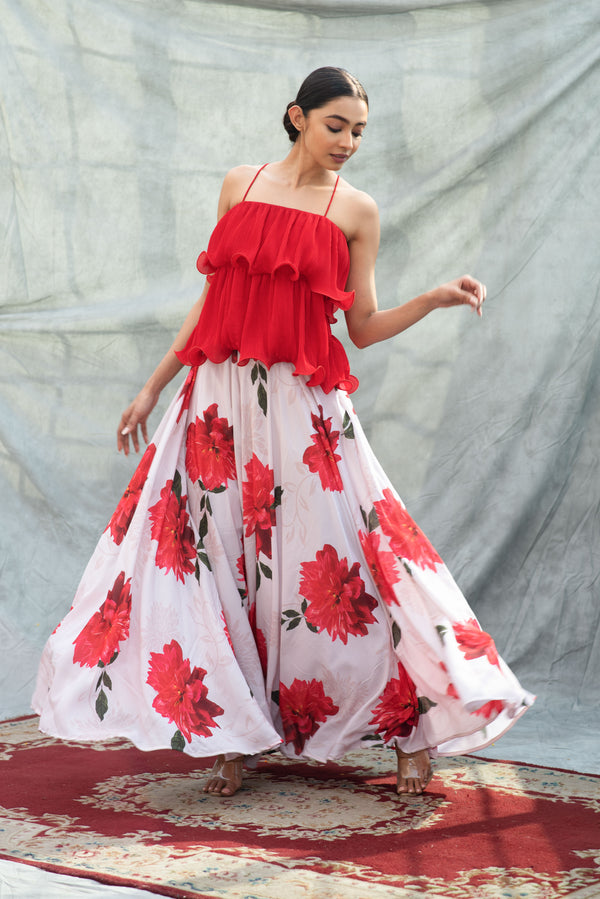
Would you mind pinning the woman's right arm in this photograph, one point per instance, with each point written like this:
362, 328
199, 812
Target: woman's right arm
136, 414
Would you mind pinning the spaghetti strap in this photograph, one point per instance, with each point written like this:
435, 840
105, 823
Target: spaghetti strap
331, 197
254, 179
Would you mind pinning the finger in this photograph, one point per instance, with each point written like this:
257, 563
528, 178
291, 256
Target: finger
470, 299
144, 432
472, 285
480, 291
475, 299
123, 437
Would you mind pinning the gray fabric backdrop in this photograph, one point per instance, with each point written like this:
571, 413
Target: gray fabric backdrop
119, 119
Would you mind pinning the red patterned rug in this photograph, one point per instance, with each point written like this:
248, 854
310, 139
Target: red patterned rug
298, 830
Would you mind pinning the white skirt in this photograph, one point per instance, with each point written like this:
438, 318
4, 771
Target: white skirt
260, 585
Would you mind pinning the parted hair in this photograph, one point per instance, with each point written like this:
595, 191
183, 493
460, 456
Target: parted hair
319, 88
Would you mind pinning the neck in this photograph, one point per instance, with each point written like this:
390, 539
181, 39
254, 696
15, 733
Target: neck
300, 169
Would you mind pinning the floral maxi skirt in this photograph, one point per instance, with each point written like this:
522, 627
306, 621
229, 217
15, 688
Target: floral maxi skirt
261, 585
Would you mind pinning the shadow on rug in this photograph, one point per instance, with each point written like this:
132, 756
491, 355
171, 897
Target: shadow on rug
297, 829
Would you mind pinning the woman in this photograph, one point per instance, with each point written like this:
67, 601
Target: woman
260, 584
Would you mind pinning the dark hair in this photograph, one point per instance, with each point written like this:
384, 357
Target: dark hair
319, 88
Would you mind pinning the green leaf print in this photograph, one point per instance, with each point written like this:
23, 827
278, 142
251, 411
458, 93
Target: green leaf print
262, 398
178, 741
348, 427
101, 705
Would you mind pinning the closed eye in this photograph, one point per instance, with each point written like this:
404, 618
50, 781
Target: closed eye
337, 131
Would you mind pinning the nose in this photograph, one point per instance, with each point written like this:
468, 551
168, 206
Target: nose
346, 139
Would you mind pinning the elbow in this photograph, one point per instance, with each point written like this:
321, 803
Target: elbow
360, 339
361, 330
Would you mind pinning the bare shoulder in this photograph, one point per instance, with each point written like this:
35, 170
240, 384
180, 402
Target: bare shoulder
235, 184
357, 209
237, 180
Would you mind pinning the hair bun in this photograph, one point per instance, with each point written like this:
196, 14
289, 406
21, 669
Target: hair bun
287, 122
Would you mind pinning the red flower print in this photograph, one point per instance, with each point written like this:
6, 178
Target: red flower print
121, 519
303, 706
209, 450
474, 642
107, 628
382, 565
181, 695
241, 567
186, 395
406, 539
176, 550
259, 637
337, 601
259, 503
322, 458
451, 689
226, 629
398, 709
490, 709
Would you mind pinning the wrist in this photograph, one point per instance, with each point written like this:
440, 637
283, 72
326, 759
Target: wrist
431, 299
153, 387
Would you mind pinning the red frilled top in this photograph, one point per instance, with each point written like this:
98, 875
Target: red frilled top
276, 277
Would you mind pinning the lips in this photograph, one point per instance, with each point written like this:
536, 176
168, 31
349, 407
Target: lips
339, 157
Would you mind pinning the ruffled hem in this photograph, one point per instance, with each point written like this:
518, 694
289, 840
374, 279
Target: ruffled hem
317, 376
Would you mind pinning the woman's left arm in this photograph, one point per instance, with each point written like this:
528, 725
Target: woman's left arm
366, 323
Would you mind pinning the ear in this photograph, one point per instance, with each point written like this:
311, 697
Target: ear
297, 117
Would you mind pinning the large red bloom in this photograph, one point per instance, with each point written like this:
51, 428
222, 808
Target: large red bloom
321, 457
382, 565
258, 502
406, 539
181, 695
176, 550
303, 706
209, 450
121, 519
474, 642
107, 628
337, 601
398, 709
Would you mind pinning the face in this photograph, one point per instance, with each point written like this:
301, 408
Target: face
332, 133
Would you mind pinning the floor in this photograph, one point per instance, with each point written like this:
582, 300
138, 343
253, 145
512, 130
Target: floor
554, 738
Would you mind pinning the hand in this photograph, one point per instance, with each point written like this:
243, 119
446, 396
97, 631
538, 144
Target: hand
136, 414
461, 291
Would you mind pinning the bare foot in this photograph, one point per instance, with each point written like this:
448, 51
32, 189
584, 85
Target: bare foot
225, 779
414, 771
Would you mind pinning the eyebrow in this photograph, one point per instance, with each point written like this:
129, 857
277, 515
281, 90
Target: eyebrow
341, 118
